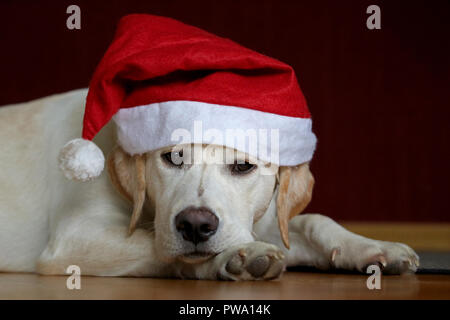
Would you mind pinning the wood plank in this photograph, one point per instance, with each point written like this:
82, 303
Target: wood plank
293, 285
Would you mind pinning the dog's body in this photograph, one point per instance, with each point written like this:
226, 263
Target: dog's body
48, 223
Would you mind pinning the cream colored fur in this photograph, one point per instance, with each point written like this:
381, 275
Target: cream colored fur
48, 223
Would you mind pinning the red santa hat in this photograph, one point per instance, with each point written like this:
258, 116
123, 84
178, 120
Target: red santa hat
159, 75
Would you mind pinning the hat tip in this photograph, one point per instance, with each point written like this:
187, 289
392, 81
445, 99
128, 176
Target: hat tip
81, 160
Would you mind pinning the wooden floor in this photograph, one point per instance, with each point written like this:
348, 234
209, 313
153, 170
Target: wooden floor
293, 285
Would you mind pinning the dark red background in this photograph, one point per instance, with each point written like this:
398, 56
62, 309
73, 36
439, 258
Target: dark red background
379, 99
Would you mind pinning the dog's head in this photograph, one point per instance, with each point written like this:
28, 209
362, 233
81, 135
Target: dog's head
202, 206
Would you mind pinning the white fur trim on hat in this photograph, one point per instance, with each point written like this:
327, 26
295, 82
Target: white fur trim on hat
150, 127
81, 160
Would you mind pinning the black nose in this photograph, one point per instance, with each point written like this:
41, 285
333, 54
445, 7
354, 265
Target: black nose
196, 224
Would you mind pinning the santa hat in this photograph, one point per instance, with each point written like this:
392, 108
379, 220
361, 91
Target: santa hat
159, 75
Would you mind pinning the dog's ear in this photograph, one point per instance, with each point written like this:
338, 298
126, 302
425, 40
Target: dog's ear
127, 174
294, 194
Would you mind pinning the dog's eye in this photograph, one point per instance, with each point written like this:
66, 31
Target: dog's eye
242, 168
174, 158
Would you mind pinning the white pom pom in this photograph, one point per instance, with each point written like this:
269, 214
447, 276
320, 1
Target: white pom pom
81, 160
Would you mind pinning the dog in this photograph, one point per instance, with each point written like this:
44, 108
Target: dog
151, 216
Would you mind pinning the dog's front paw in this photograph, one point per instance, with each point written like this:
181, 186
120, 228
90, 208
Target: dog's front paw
251, 261
391, 257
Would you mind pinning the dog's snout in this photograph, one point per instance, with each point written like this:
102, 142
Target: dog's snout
196, 224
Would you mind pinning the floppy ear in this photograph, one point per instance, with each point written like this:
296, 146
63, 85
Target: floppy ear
294, 194
127, 174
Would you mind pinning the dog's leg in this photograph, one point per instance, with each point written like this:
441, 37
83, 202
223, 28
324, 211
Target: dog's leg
100, 247
320, 242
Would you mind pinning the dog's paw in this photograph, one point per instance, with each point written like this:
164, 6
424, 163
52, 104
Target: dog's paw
391, 257
251, 261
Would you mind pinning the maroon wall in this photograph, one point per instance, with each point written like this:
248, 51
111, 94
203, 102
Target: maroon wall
379, 99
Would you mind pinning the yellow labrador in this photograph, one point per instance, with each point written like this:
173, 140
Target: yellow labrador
204, 220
